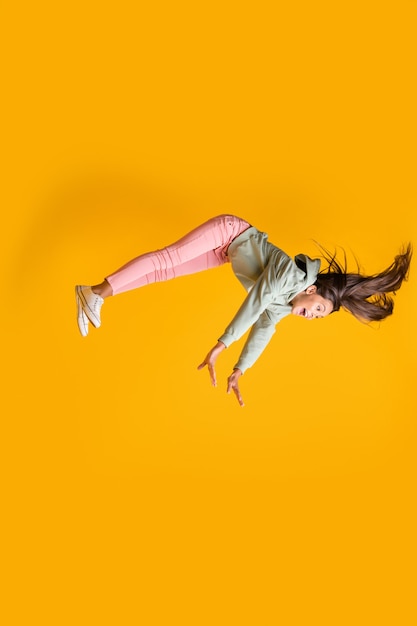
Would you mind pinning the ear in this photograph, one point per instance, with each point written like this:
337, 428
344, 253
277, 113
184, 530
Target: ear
311, 289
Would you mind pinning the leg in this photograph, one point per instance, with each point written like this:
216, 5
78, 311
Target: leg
203, 248
199, 264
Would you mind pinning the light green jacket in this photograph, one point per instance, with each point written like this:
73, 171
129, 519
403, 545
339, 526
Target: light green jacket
272, 279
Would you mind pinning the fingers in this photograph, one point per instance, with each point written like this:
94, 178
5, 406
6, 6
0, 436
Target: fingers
232, 381
238, 396
212, 375
212, 371
232, 385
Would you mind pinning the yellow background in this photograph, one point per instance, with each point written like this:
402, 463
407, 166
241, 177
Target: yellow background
133, 492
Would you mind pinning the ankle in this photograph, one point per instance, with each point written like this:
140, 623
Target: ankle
103, 290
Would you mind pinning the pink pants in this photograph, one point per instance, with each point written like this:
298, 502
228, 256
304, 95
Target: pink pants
203, 248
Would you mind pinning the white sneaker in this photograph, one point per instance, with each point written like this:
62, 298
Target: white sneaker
82, 319
91, 303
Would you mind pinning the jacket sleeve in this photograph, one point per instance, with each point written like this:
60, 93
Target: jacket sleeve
256, 302
259, 337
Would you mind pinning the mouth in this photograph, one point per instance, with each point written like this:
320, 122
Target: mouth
304, 313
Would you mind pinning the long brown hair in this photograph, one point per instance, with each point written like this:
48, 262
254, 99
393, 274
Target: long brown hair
366, 297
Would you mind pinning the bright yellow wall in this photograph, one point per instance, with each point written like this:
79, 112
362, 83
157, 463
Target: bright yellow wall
134, 492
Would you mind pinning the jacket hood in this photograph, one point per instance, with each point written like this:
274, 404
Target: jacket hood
310, 267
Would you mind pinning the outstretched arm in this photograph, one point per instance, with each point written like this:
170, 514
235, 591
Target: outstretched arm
259, 337
252, 313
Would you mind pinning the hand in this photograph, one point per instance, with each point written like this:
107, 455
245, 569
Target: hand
211, 359
232, 384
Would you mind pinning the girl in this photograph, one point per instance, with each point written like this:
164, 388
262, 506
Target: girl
277, 285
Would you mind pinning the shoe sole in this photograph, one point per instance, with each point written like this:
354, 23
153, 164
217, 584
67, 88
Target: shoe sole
82, 319
86, 309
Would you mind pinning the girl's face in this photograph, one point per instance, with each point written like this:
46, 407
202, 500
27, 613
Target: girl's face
310, 305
